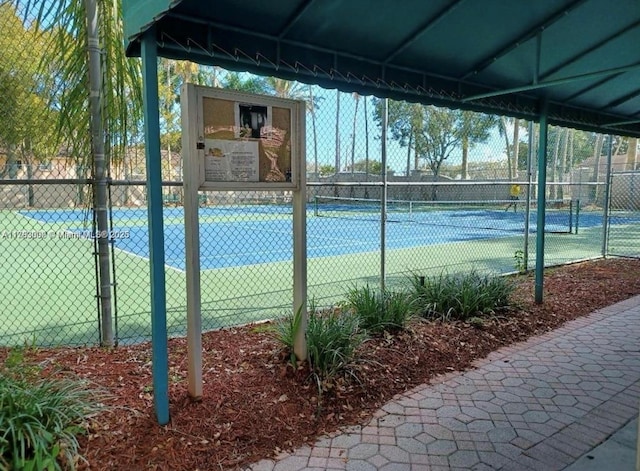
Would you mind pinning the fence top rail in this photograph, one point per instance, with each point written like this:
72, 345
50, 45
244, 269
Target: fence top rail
451, 183
90, 181
142, 183
47, 181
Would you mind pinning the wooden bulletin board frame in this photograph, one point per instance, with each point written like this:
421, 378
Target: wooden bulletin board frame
242, 141
235, 141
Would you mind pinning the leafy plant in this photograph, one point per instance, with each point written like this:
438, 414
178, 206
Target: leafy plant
460, 296
379, 311
40, 419
284, 331
520, 265
332, 341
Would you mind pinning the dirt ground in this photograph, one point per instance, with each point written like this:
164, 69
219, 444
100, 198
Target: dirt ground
255, 406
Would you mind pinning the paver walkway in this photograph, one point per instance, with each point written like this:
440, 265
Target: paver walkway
539, 404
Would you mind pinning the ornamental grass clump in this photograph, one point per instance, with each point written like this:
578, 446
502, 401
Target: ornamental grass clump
460, 297
380, 311
333, 338
41, 418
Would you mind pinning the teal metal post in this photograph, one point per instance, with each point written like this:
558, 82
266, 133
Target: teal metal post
607, 200
542, 183
383, 207
160, 362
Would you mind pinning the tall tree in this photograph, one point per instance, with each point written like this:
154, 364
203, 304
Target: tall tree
96, 99
597, 158
356, 98
244, 83
444, 130
474, 127
366, 139
504, 132
27, 131
121, 95
405, 120
632, 154
516, 146
556, 135
314, 129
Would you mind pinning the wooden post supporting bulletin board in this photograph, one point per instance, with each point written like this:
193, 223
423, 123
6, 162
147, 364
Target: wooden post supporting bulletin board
234, 141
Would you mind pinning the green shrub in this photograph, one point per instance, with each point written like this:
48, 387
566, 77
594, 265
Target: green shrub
284, 331
332, 340
379, 311
40, 419
461, 296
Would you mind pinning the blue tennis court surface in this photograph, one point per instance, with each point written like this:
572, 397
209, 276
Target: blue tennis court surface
249, 242
232, 244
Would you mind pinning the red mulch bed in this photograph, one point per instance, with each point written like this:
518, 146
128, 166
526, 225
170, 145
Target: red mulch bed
255, 405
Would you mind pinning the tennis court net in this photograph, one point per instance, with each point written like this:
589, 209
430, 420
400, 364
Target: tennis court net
500, 215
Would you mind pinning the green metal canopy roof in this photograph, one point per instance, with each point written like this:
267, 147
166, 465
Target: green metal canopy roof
499, 56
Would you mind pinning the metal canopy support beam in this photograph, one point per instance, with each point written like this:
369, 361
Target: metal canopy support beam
413, 37
552, 83
622, 99
515, 43
586, 52
541, 187
160, 362
590, 87
623, 123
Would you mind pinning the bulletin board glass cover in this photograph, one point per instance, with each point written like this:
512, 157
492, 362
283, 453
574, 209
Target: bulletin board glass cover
243, 141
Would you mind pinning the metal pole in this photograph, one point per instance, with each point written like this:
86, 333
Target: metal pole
607, 201
300, 241
527, 212
542, 183
100, 199
160, 362
383, 201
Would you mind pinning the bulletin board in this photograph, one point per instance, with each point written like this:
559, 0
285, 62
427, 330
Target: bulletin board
235, 141
242, 141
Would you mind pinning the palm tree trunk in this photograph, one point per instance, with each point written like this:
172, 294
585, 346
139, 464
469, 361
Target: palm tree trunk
28, 161
356, 97
595, 177
503, 123
366, 140
632, 154
562, 164
465, 157
516, 146
619, 146
100, 183
416, 157
315, 130
553, 165
409, 153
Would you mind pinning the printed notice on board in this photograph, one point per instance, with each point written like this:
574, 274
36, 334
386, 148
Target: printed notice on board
231, 161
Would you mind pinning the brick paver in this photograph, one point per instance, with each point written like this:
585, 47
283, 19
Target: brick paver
539, 405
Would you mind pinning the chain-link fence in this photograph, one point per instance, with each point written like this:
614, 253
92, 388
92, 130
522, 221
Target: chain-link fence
461, 194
